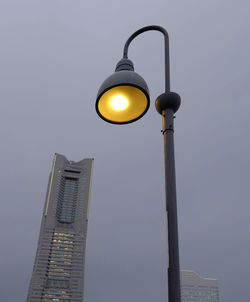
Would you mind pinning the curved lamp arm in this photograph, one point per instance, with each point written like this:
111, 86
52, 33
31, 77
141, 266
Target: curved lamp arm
165, 33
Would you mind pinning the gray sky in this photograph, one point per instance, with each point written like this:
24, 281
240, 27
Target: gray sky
54, 56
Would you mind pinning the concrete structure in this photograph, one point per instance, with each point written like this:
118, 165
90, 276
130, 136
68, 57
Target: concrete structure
58, 273
197, 289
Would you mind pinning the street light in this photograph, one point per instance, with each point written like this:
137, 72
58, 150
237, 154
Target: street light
124, 98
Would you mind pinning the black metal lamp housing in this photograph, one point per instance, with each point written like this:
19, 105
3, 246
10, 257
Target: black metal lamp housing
124, 96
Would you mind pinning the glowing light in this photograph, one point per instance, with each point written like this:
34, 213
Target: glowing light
122, 104
119, 102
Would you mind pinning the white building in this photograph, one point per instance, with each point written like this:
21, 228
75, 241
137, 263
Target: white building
197, 289
58, 273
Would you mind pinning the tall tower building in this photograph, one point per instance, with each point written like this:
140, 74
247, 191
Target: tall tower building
197, 289
58, 273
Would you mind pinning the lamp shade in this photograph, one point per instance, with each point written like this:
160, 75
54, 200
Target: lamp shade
124, 96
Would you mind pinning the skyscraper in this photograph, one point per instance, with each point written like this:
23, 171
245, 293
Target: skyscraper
58, 272
197, 289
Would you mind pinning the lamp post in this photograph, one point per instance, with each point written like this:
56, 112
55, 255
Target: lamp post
124, 98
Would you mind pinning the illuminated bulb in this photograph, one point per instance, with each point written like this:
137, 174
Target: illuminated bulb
119, 102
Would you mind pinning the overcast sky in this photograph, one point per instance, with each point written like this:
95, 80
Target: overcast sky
54, 55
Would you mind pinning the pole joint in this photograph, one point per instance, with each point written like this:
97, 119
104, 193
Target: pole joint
170, 128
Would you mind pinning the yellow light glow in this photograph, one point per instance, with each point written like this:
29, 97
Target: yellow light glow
122, 104
119, 102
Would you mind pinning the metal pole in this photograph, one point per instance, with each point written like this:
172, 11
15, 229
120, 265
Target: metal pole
167, 104
171, 207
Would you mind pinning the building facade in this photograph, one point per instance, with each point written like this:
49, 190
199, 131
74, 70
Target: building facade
197, 289
58, 272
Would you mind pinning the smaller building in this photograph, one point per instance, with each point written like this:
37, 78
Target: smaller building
197, 289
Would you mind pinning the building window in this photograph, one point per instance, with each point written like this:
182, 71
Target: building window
66, 204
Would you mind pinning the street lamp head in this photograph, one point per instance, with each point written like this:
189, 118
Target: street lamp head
124, 96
